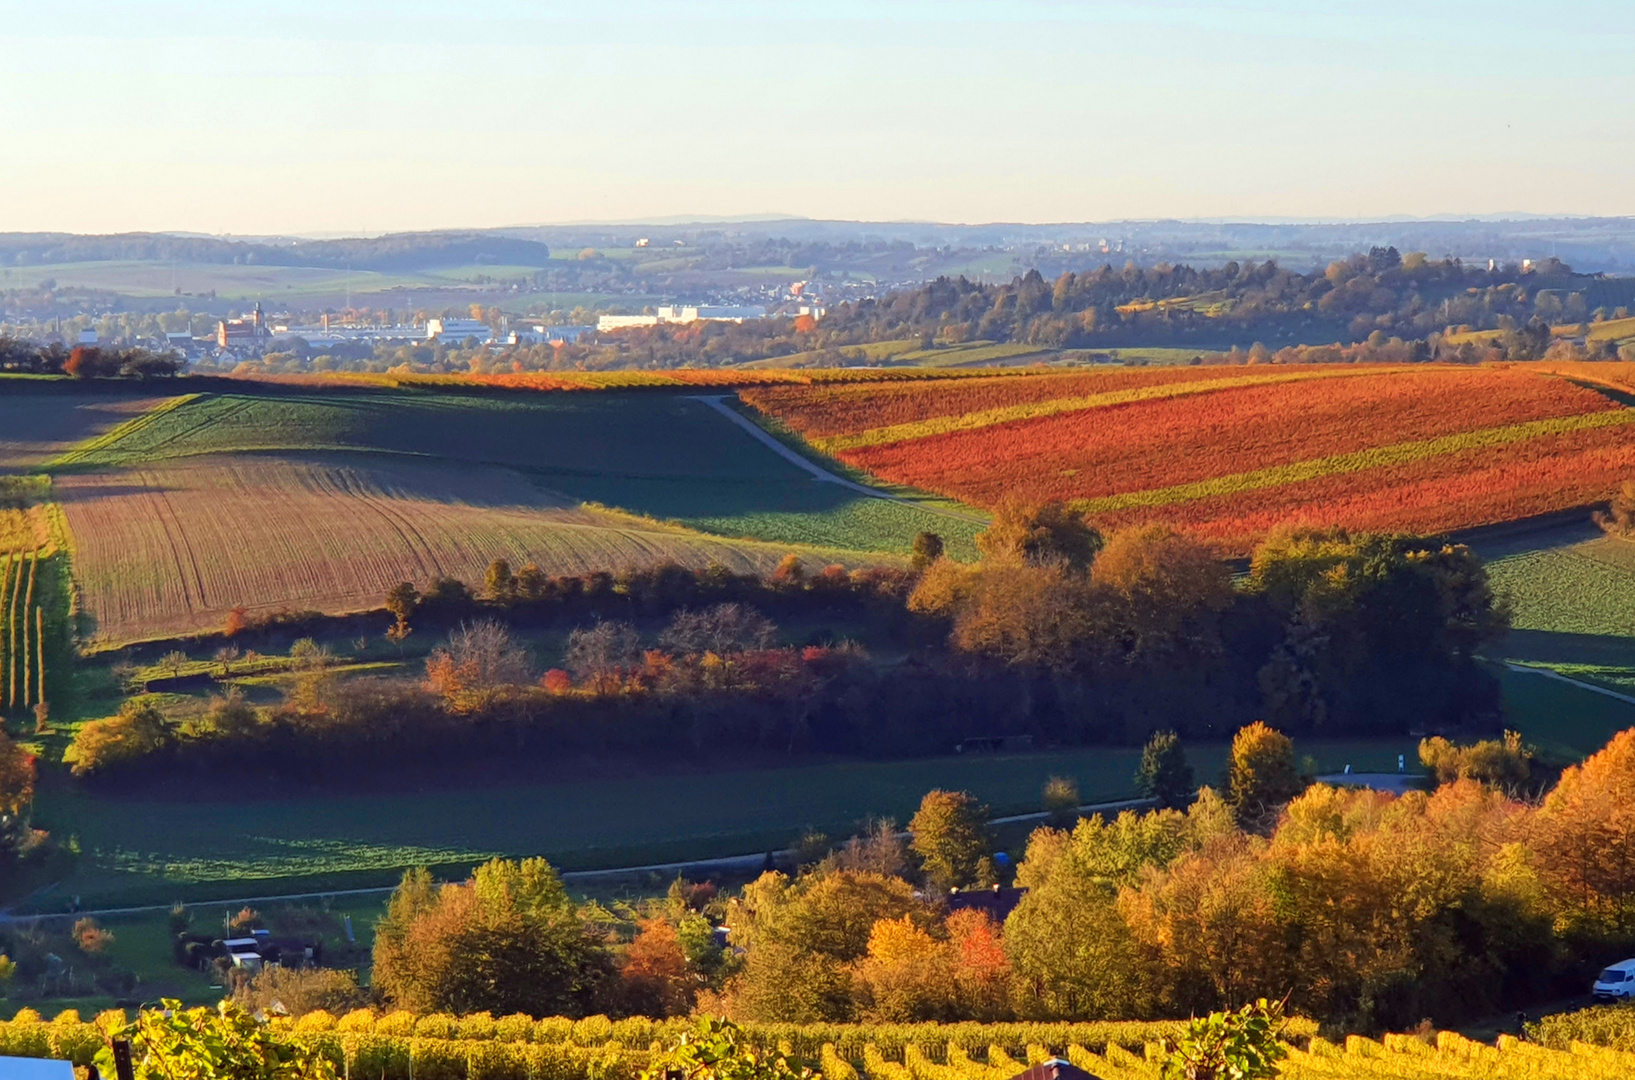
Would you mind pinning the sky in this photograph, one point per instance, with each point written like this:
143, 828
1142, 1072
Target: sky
351, 117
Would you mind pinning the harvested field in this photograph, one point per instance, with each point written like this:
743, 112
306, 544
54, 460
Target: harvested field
169, 549
36, 427
1232, 453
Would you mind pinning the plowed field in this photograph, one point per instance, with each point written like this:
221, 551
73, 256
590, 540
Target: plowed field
168, 549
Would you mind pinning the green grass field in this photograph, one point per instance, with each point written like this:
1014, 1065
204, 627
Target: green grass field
154, 849
1574, 614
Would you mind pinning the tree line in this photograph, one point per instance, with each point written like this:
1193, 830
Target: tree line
1361, 909
1057, 634
85, 361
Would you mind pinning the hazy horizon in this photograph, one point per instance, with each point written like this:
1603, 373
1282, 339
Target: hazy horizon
360, 118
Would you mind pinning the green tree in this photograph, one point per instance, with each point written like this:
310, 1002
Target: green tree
1261, 775
1164, 773
950, 837
927, 549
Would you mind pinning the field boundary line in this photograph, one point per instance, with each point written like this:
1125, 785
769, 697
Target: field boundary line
973, 421
1628, 699
76, 455
819, 473
1357, 461
726, 861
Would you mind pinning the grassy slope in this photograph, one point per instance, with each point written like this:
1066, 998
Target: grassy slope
153, 850
1574, 614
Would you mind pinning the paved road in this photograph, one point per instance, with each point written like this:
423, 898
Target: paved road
728, 864
718, 403
1556, 675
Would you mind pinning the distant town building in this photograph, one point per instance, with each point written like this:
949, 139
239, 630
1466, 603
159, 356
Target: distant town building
457, 330
707, 313
230, 332
548, 335
87, 337
621, 322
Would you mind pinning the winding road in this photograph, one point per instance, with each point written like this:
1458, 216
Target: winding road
718, 402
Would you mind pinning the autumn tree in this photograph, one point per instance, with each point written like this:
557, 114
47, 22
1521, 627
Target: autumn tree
499, 584
598, 652
724, 628
951, 838
1261, 774
17, 771
137, 731
1584, 840
1040, 534
507, 940
802, 939
655, 977
401, 602
1164, 773
907, 975
1502, 763
477, 664
1165, 589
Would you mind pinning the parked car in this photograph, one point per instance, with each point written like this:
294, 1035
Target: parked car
1617, 983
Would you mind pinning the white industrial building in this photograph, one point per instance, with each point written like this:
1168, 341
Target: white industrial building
457, 330
691, 313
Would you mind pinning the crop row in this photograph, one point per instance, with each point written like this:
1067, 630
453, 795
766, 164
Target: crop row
1056, 406
728, 378
934, 1042
1427, 496
1487, 439
831, 409
22, 632
1160, 444
404, 1056
173, 548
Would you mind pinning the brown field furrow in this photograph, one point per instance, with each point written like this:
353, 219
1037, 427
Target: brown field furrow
169, 550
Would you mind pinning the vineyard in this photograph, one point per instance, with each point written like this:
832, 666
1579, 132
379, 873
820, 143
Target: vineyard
400, 1046
1231, 453
32, 606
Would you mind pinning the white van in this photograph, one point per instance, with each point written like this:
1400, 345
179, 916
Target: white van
1617, 983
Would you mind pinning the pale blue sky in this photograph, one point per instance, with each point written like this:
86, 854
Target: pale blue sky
343, 116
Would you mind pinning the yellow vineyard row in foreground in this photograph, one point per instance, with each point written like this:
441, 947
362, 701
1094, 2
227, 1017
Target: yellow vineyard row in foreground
517, 1048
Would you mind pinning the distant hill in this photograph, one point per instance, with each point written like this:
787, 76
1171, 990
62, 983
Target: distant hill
398, 252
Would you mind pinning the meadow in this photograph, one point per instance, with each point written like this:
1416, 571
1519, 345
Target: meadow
161, 846
283, 497
1232, 452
